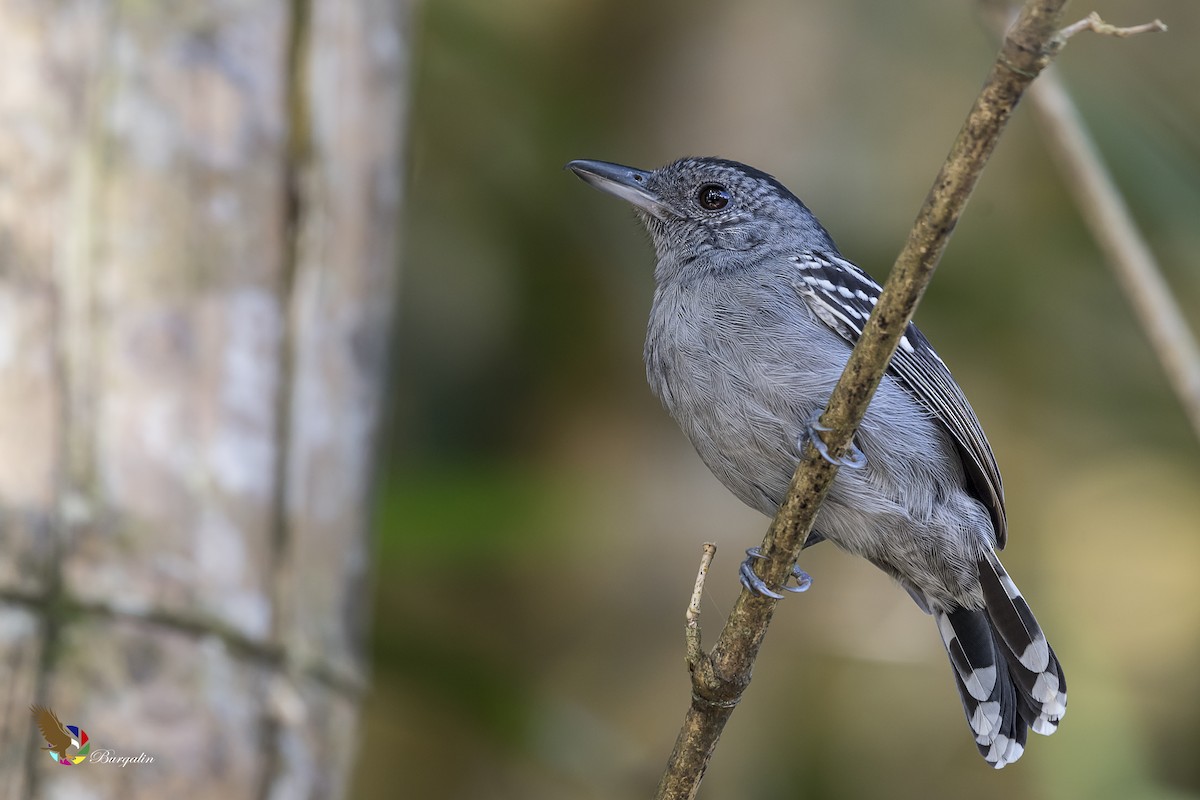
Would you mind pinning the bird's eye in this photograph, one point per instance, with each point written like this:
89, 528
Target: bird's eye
712, 196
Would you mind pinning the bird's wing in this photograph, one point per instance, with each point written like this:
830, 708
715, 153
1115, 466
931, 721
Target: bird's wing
54, 732
842, 296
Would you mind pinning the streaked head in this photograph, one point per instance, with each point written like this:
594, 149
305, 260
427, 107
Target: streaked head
695, 207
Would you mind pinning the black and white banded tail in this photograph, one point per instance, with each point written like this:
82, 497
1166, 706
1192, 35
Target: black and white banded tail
1007, 674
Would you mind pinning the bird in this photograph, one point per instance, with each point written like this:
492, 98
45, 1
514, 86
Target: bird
754, 315
57, 737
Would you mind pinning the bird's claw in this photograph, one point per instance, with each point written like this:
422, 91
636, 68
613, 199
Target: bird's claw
756, 584
853, 457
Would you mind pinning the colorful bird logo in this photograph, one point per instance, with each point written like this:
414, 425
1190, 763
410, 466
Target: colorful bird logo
60, 738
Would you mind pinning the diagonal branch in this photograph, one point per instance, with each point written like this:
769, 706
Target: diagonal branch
1105, 213
719, 679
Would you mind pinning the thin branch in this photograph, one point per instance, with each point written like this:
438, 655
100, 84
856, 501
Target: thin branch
691, 629
719, 679
1106, 214
1092, 22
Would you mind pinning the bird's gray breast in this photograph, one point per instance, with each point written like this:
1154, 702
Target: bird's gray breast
742, 366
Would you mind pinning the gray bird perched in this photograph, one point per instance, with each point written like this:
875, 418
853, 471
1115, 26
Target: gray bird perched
754, 316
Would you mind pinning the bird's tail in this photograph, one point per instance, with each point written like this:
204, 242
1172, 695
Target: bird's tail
1008, 677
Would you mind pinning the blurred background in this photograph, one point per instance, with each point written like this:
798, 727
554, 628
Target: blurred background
540, 517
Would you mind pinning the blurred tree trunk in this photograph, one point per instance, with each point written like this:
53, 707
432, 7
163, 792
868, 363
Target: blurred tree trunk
198, 207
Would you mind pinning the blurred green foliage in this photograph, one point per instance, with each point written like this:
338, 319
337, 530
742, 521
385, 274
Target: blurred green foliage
540, 518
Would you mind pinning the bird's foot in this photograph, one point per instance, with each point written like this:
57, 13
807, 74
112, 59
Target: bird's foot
853, 457
756, 584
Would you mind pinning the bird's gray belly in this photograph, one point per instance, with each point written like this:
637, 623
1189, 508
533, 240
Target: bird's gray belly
745, 408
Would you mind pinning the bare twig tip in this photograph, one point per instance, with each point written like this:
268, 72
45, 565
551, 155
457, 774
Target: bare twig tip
691, 630
1093, 22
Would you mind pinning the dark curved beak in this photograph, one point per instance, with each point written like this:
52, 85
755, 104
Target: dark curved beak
627, 183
